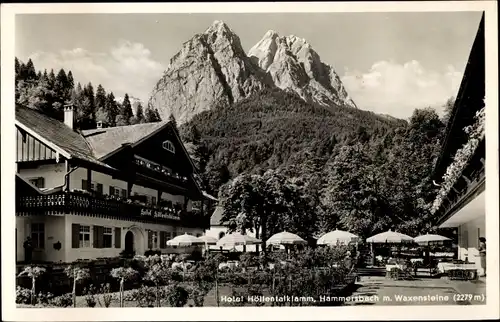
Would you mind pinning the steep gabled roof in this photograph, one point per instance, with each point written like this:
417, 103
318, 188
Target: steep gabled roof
54, 131
91, 145
107, 140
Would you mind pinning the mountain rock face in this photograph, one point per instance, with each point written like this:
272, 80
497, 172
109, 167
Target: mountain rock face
294, 65
213, 68
210, 68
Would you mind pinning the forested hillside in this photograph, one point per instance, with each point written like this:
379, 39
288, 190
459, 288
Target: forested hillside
48, 93
350, 168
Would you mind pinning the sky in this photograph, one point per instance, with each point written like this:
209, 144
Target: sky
390, 63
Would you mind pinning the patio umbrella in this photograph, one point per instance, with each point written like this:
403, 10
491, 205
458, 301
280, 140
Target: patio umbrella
285, 238
237, 239
390, 237
430, 238
185, 241
337, 237
208, 240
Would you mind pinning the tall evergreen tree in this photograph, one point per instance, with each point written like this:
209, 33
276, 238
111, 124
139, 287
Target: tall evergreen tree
126, 111
100, 98
139, 114
112, 109
71, 81
30, 71
52, 79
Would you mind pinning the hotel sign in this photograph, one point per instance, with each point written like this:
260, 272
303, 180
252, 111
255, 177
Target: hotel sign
158, 214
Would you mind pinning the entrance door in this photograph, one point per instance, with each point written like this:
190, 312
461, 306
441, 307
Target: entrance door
129, 242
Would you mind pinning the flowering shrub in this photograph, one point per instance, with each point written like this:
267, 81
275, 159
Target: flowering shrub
23, 295
476, 133
90, 296
45, 298
65, 300
176, 295
107, 297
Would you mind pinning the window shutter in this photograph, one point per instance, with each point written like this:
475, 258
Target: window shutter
162, 239
84, 184
75, 236
99, 188
150, 239
111, 191
118, 237
97, 233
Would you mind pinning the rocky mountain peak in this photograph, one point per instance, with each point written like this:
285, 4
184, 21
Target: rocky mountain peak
212, 68
294, 65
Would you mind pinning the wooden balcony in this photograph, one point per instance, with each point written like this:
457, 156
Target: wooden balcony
102, 206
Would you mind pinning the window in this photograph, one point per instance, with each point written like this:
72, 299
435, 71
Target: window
153, 200
152, 239
94, 186
107, 237
117, 192
38, 182
167, 145
38, 235
84, 236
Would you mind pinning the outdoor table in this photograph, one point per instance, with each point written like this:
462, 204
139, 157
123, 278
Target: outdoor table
462, 273
389, 267
446, 266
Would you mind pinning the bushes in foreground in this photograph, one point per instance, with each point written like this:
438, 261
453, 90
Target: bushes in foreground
165, 282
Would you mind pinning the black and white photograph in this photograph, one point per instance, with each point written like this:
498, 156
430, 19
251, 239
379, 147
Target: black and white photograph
206, 157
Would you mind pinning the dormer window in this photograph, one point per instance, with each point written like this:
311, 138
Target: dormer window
169, 146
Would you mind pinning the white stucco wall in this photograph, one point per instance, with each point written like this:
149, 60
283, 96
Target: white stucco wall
54, 232
52, 173
59, 229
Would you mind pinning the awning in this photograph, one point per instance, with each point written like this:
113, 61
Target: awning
475, 209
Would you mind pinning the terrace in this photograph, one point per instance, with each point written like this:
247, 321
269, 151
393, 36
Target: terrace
86, 204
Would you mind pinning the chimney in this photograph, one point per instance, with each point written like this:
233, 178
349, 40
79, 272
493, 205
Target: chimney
69, 116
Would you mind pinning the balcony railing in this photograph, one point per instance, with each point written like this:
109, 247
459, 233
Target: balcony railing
79, 203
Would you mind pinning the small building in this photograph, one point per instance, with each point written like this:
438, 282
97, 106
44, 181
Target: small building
97, 193
219, 230
463, 205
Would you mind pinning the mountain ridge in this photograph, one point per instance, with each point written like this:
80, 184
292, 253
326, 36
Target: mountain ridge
212, 68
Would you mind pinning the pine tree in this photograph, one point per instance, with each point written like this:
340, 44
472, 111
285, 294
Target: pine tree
52, 79
61, 91
157, 117
71, 81
112, 109
17, 68
126, 111
88, 107
151, 115
30, 71
100, 98
139, 114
